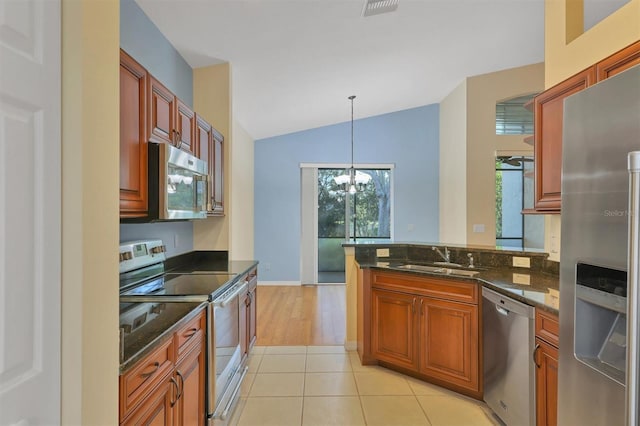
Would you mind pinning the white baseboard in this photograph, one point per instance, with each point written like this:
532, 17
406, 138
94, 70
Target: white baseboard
283, 283
351, 346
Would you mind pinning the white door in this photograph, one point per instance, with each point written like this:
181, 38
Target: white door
30, 212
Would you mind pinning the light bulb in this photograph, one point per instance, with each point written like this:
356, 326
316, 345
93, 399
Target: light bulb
352, 189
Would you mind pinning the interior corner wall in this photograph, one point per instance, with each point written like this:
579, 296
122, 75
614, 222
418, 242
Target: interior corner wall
483, 92
408, 139
212, 100
564, 58
241, 234
90, 131
141, 39
453, 167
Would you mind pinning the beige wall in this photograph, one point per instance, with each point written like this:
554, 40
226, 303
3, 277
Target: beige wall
568, 50
453, 166
212, 100
483, 92
468, 145
90, 162
241, 232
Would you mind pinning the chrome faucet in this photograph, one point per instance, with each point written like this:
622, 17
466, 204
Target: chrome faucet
446, 255
470, 256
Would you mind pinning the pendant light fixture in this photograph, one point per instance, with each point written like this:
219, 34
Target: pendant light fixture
352, 180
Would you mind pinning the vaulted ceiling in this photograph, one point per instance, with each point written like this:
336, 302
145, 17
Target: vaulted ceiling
295, 62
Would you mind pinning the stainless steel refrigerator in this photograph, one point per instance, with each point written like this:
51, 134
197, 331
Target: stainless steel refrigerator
599, 215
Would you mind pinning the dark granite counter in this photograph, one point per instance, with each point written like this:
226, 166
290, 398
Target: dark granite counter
208, 262
147, 337
536, 286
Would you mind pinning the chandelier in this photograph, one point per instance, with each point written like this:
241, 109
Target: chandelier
352, 180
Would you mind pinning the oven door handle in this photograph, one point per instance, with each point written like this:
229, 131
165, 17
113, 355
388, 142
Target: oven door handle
224, 302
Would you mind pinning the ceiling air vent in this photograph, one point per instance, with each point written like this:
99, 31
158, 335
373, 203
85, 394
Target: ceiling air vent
375, 7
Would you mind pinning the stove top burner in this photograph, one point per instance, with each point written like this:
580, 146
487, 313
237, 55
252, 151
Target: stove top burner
172, 284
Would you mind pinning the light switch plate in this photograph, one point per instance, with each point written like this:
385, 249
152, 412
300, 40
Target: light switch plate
382, 252
521, 262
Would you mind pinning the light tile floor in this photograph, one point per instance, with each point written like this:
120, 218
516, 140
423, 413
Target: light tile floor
326, 385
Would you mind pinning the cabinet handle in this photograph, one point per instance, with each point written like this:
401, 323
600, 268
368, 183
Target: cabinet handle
535, 356
191, 332
175, 383
156, 365
181, 391
179, 142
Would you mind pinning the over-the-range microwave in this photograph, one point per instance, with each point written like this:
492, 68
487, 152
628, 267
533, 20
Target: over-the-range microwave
178, 184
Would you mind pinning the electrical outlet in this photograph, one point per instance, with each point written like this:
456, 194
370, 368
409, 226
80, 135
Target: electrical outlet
478, 227
521, 262
382, 252
522, 279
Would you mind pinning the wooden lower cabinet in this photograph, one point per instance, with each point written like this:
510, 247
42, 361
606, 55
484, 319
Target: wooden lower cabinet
167, 387
394, 338
450, 348
190, 408
546, 359
546, 384
157, 408
430, 337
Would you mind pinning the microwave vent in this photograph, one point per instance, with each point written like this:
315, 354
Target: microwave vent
376, 7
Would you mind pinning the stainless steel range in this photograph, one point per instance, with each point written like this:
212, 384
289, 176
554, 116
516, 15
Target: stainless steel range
143, 279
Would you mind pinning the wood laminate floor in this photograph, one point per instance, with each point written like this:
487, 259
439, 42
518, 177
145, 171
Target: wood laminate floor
301, 315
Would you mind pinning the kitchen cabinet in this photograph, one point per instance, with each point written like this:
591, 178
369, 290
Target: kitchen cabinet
134, 200
548, 110
217, 175
548, 121
210, 147
162, 113
167, 386
248, 313
425, 326
619, 61
546, 359
186, 128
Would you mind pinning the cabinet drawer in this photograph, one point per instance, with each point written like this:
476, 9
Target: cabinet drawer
136, 384
189, 333
547, 327
446, 289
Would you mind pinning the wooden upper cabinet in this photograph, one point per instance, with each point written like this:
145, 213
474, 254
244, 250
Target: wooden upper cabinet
548, 112
162, 113
186, 128
216, 168
134, 200
618, 62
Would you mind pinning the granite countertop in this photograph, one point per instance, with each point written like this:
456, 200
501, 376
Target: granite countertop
146, 338
534, 288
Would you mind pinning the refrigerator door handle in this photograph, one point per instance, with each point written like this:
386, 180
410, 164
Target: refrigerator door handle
633, 303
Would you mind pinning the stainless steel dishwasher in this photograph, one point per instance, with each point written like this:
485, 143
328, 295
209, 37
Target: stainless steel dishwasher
509, 370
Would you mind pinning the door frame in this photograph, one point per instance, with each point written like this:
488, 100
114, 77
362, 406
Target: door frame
315, 166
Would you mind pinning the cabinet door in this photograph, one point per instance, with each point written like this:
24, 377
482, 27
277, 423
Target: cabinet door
243, 323
449, 342
619, 61
157, 408
134, 201
217, 184
546, 384
162, 111
252, 318
394, 328
186, 127
190, 374
548, 139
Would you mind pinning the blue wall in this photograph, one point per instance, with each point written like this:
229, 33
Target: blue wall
409, 139
141, 39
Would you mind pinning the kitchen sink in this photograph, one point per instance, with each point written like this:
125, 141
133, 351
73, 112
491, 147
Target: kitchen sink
439, 270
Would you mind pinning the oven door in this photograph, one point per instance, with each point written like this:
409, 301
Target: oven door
227, 370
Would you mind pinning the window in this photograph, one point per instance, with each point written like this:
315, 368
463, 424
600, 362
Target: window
512, 118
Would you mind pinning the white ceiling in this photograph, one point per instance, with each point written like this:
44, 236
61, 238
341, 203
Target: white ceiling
295, 62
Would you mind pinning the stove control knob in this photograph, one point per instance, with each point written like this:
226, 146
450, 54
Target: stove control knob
156, 309
127, 255
158, 249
